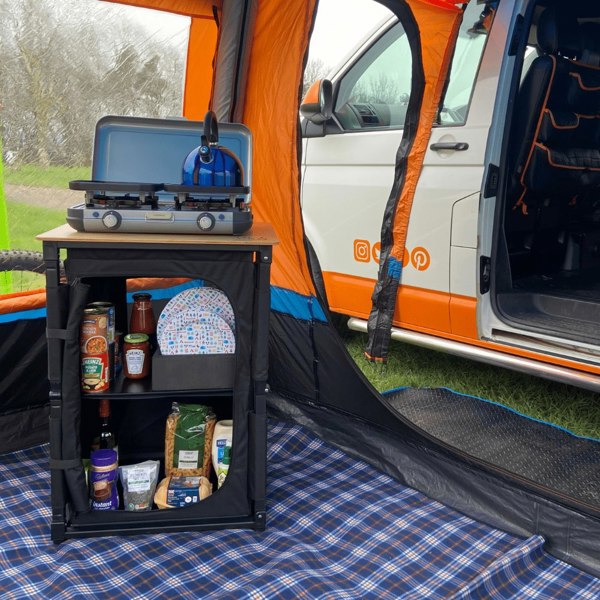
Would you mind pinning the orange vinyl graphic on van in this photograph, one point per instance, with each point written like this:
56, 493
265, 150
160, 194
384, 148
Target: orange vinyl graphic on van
362, 251
434, 313
419, 258
352, 295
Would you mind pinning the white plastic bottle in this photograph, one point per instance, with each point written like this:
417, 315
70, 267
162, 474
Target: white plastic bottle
222, 437
224, 467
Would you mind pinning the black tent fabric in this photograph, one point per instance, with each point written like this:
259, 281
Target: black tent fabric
23, 382
542, 453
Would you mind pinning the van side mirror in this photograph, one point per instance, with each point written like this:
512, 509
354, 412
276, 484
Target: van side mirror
317, 105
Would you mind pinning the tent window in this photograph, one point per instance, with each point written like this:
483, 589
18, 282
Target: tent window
375, 92
104, 59
64, 66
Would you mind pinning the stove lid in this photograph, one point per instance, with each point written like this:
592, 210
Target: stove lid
143, 150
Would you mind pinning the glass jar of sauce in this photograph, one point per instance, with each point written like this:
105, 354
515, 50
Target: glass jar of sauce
142, 317
136, 356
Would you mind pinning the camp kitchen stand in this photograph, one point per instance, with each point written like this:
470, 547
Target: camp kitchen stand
97, 268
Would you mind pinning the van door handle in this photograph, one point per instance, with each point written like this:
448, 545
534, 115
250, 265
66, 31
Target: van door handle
459, 146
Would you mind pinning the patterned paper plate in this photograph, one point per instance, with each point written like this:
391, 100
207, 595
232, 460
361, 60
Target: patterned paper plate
205, 299
196, 332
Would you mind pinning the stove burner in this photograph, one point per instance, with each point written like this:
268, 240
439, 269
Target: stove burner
143, 201
193, 197
112, 195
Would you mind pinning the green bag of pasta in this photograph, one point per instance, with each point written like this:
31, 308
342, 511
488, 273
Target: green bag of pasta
188, 440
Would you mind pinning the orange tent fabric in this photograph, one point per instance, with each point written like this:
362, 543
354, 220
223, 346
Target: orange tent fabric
271, 111
448, 4
443, 26
10, 303
437, 32
279, 43
202, 46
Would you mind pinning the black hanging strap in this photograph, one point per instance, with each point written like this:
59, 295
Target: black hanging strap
62, 334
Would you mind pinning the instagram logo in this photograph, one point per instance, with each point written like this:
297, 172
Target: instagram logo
362, 251
420, 259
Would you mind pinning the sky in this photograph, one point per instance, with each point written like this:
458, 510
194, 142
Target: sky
340, 25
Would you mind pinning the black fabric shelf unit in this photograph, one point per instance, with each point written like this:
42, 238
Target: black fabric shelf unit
236, 384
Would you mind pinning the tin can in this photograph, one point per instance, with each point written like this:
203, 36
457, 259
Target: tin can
95, 351
109, 308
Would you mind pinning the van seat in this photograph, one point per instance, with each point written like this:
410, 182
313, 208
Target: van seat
559, 113
554, 157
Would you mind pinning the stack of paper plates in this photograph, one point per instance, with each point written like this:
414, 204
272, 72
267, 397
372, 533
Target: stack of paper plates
197, 321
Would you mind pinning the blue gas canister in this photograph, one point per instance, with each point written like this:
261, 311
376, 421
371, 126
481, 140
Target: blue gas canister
211, 165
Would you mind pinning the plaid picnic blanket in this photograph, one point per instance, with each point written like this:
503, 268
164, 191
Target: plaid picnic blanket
337, 529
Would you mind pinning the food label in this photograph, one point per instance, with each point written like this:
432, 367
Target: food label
135, 361
94, 373
103, 490
138, 480
188, 459
183, 491
222, 475
92, 367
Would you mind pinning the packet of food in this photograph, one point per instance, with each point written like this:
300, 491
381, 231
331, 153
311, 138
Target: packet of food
139, 483
188, 440
161, 498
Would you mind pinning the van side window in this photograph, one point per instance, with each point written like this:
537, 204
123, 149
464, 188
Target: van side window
470, 44
374, 93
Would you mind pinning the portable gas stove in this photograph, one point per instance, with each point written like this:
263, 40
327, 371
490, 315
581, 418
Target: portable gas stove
131, 154
138, 208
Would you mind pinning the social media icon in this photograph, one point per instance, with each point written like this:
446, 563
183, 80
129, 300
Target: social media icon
376, 252
420, 258
362, 251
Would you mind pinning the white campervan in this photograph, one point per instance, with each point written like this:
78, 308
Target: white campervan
502, 254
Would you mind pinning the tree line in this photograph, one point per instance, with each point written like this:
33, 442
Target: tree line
63, 67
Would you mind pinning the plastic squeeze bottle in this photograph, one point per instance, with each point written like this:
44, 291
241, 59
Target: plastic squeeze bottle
224, 466
222, 436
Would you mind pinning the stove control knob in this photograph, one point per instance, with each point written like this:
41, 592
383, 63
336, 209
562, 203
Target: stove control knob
111, 219
206, 222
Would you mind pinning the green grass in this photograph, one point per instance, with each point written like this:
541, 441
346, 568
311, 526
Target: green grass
26, 221
53, 177
572, 408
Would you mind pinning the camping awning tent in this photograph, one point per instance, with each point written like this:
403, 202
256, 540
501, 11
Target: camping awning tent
245, 61
256, 80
